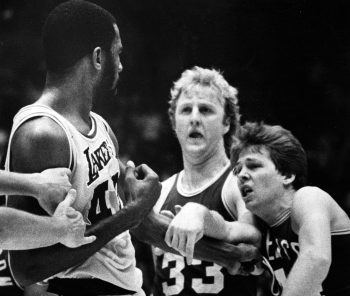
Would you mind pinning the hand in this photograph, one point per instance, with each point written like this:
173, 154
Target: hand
142, 186
72, 222
52, 186
186, 229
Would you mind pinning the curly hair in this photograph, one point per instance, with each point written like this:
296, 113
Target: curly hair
285, 150
72, 30
215, 80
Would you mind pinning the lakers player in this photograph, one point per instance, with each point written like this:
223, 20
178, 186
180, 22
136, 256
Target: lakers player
82, 46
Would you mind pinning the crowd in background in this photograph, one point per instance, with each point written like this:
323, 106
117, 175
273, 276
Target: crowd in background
290, 61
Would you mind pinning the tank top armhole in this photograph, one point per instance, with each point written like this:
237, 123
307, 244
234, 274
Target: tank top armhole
167, 185
25, 114
227, 196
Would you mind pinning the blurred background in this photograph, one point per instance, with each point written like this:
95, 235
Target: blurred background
289, 59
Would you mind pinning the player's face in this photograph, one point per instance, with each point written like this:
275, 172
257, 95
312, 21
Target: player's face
117, 48
107, 87
199, 122
259, 181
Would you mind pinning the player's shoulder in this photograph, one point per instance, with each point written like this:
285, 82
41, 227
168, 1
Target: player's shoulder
39, 143
40, 129
309, 195
310, 201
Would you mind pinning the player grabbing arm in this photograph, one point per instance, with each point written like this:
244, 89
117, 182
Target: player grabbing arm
21, 230
49, 187
82, 47
308, 236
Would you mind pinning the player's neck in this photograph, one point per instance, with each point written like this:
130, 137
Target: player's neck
198, 171
69, 97
279, 210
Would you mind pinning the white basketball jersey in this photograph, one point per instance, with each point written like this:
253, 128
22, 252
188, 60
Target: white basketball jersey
95, 169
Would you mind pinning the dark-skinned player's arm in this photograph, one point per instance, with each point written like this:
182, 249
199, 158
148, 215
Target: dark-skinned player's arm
153, 229
40, 144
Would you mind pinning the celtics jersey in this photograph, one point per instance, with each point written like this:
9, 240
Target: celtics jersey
95, 170
282, 249
173, 275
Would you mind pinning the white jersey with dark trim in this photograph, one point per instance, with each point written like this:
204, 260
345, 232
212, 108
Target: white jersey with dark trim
95, 170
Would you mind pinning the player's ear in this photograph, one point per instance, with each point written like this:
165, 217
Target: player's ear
288, 179
227, 122
97, 58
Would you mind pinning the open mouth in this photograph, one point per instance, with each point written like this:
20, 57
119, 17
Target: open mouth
195, 135
245, 190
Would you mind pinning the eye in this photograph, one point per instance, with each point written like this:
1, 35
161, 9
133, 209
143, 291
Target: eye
236, 170
252, 166
186, 110
205, 110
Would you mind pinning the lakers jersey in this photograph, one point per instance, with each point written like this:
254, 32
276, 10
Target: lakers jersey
173, 275
282, 249
95, 170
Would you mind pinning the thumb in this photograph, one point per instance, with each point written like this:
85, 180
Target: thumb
167, 213
66, 172
70, 198
177, 209
88, 240
130, 173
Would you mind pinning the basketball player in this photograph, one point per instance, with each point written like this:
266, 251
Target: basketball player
308, 236
204, 115
21, 230
82, 46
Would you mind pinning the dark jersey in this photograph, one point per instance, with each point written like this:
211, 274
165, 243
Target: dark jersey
175, 277
282, 247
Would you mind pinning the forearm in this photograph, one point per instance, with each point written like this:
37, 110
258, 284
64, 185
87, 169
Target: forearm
16, 183
235, 232
307, 275
45, 262
21, 230
152, 231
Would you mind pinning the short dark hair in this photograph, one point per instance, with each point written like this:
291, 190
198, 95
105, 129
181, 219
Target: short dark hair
72, 30
285, 150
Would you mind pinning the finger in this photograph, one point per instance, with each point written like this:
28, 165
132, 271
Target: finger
88, 240
130, 178
73, 214
175, 242
182, 243
70, 198
69, 173
65, 172
158, 251
168, 236
167, 213
234, 268
199, 235
189, 250
177, 209
145, 172
131, 164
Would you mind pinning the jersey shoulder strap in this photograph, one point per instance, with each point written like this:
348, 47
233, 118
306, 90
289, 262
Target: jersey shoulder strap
38, 110
166, 187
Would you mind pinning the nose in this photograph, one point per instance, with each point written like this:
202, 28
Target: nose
195, 118
243, 175
120, 67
